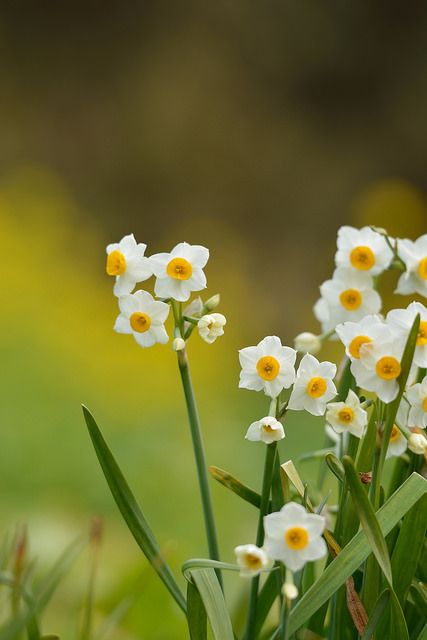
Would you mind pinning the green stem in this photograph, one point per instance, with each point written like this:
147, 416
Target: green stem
265, 498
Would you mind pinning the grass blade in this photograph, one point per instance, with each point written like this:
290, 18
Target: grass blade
376, 614
196, 614
131, 511
237, 487
206, 582
356, 552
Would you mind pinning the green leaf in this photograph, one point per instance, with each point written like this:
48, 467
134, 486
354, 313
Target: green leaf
335, 466
266, 598
237, 487
196, 614
368, 519
423, 634
418, 593
377, 612
356, 552
206, 582
131, 511
408, 548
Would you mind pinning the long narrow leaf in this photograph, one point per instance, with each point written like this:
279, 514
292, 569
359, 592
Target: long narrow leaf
356, 552
211, 594
196, 614
237, 487
131, 511
376, 614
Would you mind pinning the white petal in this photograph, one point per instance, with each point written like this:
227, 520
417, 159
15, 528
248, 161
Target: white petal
123, 285
146, 339
158, 263
122, 324
127, 244
250, 381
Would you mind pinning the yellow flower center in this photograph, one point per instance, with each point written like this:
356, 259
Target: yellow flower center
346, 415
422, 334
422, 268
317, 387
388, 368
351, 299
252, 561
140, 322
268, 368
362, 258
356, 343
296, 538
395, 434
267, 428
179, 269
116, 263
425, 405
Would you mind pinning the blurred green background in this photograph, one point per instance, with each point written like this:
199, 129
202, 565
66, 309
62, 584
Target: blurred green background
255, 129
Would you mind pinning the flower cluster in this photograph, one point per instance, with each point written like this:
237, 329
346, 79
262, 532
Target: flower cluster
178, 274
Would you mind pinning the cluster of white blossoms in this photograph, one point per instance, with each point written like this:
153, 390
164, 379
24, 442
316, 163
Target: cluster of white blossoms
292, 536
178, 274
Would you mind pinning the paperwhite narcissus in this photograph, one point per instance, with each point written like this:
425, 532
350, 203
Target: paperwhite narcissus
180, 272
348, 416
313, 387
294, 536
400, 322
354, 334
349, 295
414, 255
143, 317
251, 560
307, 342
397, 444
126, 261
269, 367
362, 250
417, 397
378, 368
267, 430
417, 443
211, 326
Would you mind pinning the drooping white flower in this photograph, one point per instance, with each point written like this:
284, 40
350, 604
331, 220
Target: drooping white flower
363, 250
267, 430
398, 443
269, 366
180, 272
294, 536
307, 342
417, 397
417, 443
378, 368
126, 261
348, 416
414, 255
313, 387
348, 296
251, 560
354, 334
211, 326
143, 317
400, 322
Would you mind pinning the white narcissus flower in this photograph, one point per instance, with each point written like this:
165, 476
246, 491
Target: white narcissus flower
126, 261
348, 416
354, 334
349, 295
251, 560
143, 317
180, 272
307, 342
414, 255
313, 387
417, 397
378, 368
267, 430
211, 326
417, 443
269, 367
294, 536
363, 250
398, 443
400, 322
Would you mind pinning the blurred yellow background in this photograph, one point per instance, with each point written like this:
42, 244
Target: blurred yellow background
255, 130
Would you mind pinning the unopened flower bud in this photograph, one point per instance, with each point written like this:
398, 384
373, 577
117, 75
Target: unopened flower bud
211, 326
213, 302
307, 342
290, 591
417, 443
178, 344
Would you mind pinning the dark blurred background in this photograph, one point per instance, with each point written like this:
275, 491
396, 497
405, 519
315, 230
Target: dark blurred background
254, 128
